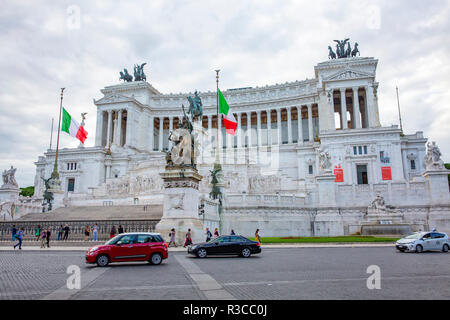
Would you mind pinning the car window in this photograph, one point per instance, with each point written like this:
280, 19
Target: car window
237, 239
436, 235
427, 236
144, 238
126, 239
223, 239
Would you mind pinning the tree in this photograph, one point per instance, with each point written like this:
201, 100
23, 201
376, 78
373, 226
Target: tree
27, 192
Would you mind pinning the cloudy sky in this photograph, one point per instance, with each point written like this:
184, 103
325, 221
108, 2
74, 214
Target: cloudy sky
82, 45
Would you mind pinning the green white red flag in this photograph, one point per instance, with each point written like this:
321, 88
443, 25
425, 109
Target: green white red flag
228, 119
72, 127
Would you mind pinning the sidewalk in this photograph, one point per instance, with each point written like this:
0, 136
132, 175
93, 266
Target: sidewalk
36, 247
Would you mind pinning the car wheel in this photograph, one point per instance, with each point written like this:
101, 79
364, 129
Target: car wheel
419, 248
156, 258
201, 253
445, 248
102, 260
246, 252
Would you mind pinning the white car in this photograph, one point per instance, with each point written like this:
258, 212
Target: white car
424, 241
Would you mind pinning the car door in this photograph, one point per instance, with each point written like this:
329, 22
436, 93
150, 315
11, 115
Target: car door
221, 245
237, 244
123, 250
427, 242
143, 247
436, 240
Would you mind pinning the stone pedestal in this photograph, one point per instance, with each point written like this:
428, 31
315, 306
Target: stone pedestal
326, 189
9, 194
438, 188
181, 201
58, 198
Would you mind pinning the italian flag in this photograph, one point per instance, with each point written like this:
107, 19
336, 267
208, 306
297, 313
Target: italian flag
72, 127
228, 120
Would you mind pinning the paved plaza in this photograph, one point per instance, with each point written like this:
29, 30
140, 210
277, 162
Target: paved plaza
277, 273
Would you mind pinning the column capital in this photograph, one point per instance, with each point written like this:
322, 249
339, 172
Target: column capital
342, 89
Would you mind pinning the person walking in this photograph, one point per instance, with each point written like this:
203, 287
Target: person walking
113, 232
49, 233
232, 232
19, 237
87, 231
257, 237
66, 232
216, 233
43, 237
172, 237
60, 232
188, 239
120, 229
208, 235
13, 233
95, 233
37, 234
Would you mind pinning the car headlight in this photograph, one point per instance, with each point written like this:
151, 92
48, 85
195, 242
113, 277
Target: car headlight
93, 249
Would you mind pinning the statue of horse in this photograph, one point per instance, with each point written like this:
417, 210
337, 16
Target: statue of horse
348, 52
125, 76
195, 106
331, 54
355, 50
139, 74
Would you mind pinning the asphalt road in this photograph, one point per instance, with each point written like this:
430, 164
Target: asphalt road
277, 273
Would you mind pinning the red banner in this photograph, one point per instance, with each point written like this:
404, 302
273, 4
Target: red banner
386, 173
339, 173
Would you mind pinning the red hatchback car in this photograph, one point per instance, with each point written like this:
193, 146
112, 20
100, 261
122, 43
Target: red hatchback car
125, 247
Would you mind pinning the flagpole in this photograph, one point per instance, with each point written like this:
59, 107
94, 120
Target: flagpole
217, 109
51, 135
399, 114
55, 173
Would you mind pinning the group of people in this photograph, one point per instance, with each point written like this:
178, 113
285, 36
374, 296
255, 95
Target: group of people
209, 236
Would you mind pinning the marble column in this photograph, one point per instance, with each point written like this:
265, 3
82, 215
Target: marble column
239, 136
289, 124
119, 129
310, 124
108, 139
160, 140
258, 127
170, 129
151, 133
356, 114
269, 127
370, 107
279, 126
249, 128
99, 131
300, 125
343, 109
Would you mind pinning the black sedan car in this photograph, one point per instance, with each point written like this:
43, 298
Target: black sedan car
226, 245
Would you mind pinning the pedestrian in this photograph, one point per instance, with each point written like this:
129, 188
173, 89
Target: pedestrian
43, 236
188, 239
13, 233
87, 231
37, 234
120, 229
208, 235
216, 233
19, 237
172, 237
112, 234
257, 237
60, 232
49, 233
66, 232
95, 232
232, 232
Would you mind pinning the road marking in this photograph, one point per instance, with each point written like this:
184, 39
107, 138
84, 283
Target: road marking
208, 286
63, 293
